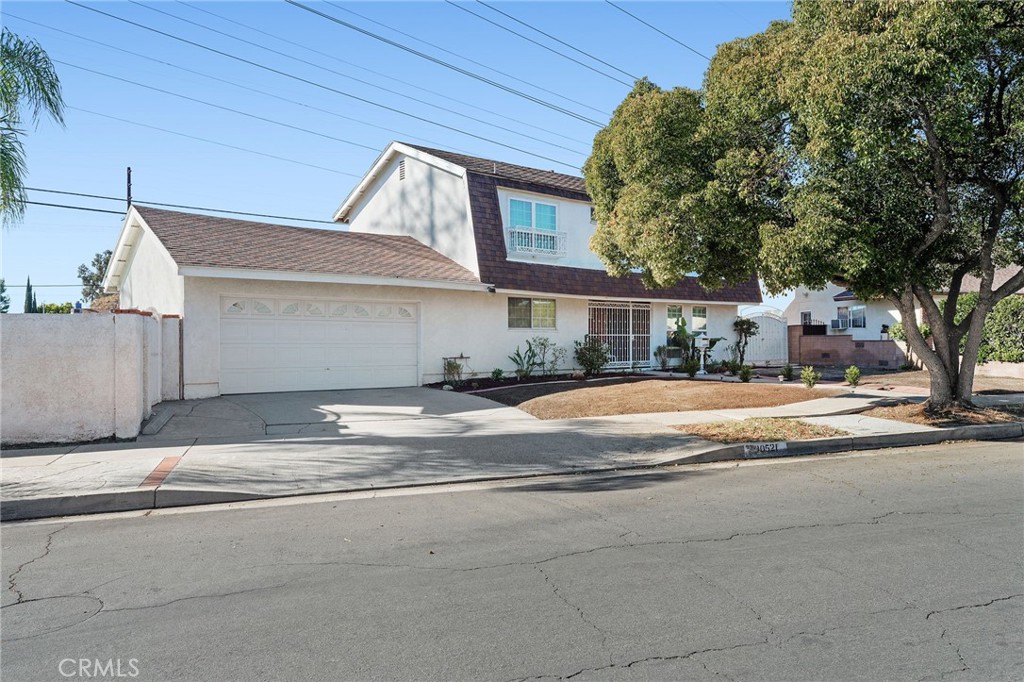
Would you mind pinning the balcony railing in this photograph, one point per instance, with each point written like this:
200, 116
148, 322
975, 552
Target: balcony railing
529, 240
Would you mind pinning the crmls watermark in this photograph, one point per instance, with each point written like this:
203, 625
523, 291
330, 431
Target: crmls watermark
111, 668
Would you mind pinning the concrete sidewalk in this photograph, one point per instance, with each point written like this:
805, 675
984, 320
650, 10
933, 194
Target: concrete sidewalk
272, 445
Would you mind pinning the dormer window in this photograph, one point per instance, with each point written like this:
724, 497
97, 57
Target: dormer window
533, 228
532, 214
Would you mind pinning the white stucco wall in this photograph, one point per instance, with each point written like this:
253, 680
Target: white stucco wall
430, 204
452, 323
152, 282
68, 378
822, 307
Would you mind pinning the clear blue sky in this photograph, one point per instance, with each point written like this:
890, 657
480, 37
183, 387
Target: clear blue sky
314, 172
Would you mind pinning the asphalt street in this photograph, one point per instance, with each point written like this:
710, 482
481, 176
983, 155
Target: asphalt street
905, 564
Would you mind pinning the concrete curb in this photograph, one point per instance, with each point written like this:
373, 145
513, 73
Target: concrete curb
160, 498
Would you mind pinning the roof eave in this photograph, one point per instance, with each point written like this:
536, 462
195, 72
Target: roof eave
328, 278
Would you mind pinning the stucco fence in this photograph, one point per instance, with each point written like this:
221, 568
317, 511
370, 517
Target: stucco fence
71, 378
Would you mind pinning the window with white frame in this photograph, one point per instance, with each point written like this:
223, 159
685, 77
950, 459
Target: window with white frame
531, 313
858, 316
805, 317
672, 324
699, 318
533, 214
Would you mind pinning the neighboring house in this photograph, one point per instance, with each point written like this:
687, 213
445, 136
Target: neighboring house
446, 256
832, 326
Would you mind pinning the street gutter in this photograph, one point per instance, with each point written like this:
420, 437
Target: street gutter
162, 497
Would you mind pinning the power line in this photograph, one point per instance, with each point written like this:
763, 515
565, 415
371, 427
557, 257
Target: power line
218, 106
537, 43
470, 60
194, 208
74, 208
219, 144
557, 40
316, 84
448, 65
353, 78
40, 286
655, 28
234, 84
464, 103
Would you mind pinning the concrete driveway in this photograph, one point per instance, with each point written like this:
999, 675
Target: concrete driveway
322, 413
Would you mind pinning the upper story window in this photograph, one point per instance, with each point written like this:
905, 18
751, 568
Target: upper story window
533, 228
532, 214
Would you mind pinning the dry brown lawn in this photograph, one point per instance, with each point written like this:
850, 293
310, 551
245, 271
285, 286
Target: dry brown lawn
568, 401
916, 414
922, 379
758, 430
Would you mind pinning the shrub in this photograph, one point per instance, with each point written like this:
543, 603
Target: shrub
661, 357
591, 355
853, 375
452, 371
746, 373
787, 372
745, 329
1002, 339
809, 376
549, 355
733, 366
691, 367
525, 362
497, 374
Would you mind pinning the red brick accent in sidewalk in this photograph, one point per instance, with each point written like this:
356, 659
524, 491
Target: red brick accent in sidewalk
157, 476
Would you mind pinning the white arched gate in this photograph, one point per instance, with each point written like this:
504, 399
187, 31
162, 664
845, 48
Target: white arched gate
771, 345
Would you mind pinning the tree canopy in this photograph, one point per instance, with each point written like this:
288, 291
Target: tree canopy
92, 276
28, 84
878, 145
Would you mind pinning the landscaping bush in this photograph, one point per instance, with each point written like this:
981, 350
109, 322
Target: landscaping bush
787, 372
549, 355
497, 374
853, 375
661, 357
745, 329
691, 367
809, 376
452, 371
746, 373
1002, 338
525, 362
591, 355
733, 366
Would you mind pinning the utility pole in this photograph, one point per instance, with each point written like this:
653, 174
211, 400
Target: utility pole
129, 187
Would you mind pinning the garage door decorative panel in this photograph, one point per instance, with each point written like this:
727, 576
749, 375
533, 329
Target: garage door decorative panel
293, 345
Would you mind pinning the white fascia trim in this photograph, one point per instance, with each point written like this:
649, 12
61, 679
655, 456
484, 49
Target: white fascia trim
326, 278
532, 196
640, 299
389, 153
124, 252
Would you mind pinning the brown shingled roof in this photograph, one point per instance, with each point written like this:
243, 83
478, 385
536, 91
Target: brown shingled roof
510, 171
496, 269
206, 241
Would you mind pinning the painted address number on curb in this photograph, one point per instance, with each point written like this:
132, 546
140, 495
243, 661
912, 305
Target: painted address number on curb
763, 449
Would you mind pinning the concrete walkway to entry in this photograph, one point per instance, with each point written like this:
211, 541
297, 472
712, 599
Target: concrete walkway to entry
269, 445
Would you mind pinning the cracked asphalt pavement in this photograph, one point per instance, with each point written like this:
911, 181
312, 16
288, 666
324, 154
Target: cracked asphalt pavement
904, 564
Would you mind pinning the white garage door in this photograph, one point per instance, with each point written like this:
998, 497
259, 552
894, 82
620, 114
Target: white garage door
271, 344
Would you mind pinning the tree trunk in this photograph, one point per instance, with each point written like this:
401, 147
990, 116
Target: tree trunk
942, 361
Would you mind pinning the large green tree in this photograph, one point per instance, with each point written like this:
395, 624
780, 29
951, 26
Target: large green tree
878, 145
5, 299
92, 276
28, 84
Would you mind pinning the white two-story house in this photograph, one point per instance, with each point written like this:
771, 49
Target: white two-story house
444, 256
